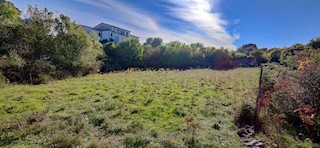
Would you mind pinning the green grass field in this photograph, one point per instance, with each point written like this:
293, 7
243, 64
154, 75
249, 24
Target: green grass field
127, 109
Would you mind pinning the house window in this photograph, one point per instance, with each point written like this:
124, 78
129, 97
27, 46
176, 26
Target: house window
100, 34
111, 34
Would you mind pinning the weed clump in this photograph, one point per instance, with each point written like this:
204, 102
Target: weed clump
97, 120
136, 142
245, 116
64, 141
134, 127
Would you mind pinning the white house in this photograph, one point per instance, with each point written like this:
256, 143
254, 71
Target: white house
109, 32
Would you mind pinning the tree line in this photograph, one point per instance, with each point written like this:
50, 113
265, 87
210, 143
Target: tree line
44, 46
155, 54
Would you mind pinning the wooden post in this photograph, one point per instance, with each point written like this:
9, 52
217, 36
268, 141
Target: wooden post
31, 80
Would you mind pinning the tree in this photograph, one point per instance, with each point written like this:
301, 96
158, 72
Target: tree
157, 42
258, 57
154, 42
44, 45
315, 43
9, 14
199, 59
152, 57
220, 59
247, 48
110, 52
197, 46
126, 54
75, 51
176, 55
149, 41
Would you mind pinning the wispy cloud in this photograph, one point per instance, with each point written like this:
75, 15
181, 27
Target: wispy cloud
124, 14
197, 12
203, 15
236, 21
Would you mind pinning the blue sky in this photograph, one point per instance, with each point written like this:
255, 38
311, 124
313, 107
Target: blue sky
219, 23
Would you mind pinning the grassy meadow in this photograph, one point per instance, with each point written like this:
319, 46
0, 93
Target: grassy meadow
128, 109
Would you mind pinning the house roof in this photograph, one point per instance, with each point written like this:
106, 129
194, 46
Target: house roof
134, 36
95, 27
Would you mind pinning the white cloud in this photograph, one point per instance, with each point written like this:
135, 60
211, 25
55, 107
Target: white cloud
201, 14
198, 12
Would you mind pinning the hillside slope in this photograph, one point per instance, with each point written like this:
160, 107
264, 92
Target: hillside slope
128, 109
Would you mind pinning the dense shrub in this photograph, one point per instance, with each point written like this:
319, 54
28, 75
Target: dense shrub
309, 80
293, 95
275, 55
291, 56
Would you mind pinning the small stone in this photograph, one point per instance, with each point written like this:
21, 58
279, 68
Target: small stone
216, 126
301, 136
251, 143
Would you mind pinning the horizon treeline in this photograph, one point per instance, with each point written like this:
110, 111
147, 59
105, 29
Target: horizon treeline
44, 46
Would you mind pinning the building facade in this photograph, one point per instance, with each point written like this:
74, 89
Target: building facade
107, 32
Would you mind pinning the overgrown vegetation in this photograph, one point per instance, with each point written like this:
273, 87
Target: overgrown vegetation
290, 100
